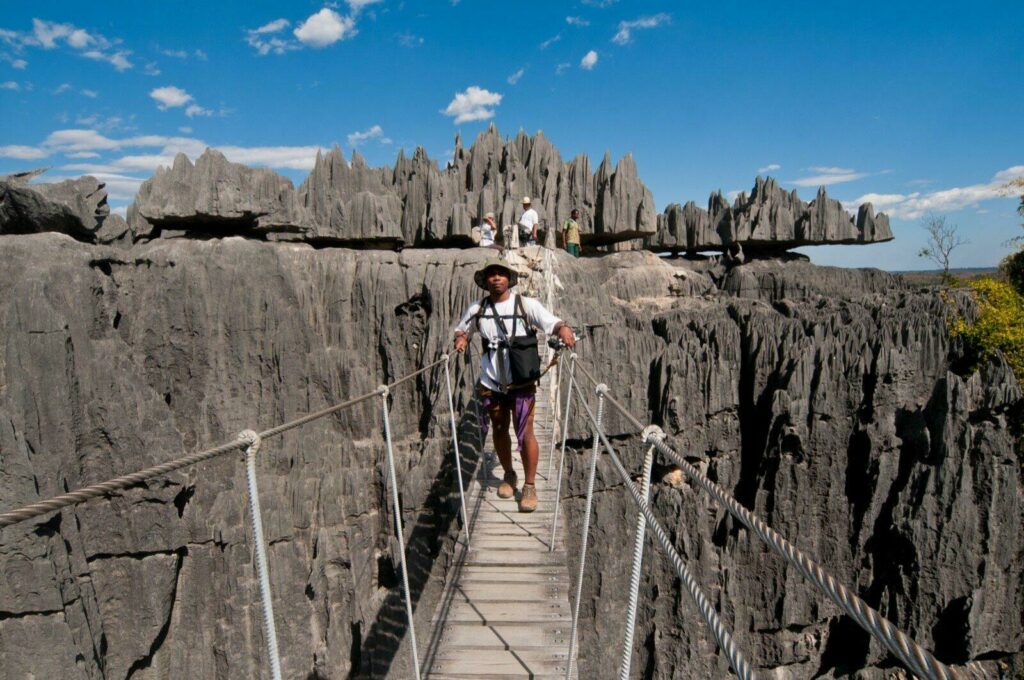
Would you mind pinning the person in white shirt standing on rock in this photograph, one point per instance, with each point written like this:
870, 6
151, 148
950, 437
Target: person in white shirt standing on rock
508, 369
488, 231
528, 223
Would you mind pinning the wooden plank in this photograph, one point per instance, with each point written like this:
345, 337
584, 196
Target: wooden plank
510, 592
505, 612
505, 636
515, 558
499, 662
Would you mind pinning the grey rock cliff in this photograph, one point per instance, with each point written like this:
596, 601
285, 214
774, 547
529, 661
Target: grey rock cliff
769, 219
413, 203
77, 207
823, 399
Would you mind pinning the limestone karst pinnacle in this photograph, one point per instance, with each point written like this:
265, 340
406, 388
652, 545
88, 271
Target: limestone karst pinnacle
417, 203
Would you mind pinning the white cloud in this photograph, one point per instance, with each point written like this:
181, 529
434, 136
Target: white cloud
769, 168
409, 40
150, 69
626, 28
199, 54
551, 41
19, 64
80, 39
175, 54
24, 153
599, 3
358, 5
185, 130
515, 77
475, 103
49, 34
62, 88
577, 21
193, 110
169, 97
324, 28
96, 122
272, 27
374, 133
828, 175
589, 60
91, 94
119, 59
917, 204
562, 68
9, 85
83, 154
264, 40
121, 210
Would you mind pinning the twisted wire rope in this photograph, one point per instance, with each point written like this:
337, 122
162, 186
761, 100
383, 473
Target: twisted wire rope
723, 637
131, 479
591, 476
917, 658
636, 568
252, 442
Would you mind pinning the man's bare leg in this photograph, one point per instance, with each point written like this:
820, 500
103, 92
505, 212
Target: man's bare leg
500, 419
530, 452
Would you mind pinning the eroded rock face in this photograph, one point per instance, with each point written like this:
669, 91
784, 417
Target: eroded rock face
77, 207
769, 219
215, 197
822, 398
115, 360
413, 203
826, 404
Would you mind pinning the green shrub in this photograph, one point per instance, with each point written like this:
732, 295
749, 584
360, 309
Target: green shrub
999, 326
1012, 267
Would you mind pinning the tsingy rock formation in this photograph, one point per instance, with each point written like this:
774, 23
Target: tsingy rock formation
77, 207
414, 203
770, 219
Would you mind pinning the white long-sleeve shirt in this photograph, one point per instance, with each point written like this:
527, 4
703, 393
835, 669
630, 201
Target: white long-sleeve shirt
537, 316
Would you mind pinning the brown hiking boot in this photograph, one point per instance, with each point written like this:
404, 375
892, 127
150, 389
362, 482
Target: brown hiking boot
507, 488
528, 501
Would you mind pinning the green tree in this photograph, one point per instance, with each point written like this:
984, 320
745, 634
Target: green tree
1012, 266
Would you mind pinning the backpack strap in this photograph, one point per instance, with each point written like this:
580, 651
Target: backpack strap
520, 311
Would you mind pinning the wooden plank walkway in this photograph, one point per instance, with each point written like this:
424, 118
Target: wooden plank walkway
505, 611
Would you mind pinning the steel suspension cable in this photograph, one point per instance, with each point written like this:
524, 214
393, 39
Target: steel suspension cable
252, 442
561, 458
917, 658
455, 449
399, 531
637, 566
723, 637
591, 476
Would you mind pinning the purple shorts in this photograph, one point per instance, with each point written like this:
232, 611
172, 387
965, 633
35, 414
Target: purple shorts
518, 401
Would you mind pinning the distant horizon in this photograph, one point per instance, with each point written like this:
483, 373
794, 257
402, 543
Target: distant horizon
916, 113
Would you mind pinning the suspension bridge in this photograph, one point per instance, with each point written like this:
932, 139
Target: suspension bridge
510, 607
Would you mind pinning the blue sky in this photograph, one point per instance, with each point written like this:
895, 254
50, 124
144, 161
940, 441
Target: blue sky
916, 106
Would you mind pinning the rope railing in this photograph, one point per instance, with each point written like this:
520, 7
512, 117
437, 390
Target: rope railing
109, 486
250, 441
918, 659
722, 635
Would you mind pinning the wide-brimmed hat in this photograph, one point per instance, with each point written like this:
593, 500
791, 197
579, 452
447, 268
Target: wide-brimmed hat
526, 200
480, 276
489, 216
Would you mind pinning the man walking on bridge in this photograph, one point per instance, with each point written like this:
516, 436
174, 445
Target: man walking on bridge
510, 367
